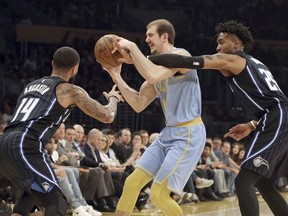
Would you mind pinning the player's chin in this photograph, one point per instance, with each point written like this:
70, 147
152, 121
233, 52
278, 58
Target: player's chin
153, 51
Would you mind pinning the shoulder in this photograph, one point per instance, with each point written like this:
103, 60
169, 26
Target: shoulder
67, 94
68, 89
181, 51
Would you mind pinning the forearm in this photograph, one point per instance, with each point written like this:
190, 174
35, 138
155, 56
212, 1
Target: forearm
178, 61
130, 95
111, 108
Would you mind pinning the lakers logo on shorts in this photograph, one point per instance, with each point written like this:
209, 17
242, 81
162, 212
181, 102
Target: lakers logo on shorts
259, 161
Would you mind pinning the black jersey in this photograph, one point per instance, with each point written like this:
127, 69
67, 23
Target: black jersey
256, 88
38, 112
36, 118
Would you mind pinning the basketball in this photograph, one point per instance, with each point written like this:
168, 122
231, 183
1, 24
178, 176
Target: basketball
103, 49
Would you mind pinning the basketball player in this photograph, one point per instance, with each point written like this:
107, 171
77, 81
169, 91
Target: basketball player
42, 106
253, 84
171, 158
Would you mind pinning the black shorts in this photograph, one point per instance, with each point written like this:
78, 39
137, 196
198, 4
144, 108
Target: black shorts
268, 148
23, 161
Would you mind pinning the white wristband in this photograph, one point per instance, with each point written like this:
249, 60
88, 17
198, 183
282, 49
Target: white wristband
114, 97
253, 124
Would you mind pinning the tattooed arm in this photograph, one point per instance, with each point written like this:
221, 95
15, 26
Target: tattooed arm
69, 94
228, 64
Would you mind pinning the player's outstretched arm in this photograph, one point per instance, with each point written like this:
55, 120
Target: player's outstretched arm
219, 61
68, 94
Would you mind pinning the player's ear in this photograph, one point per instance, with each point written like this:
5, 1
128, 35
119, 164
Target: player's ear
165, 36
74, 70
236, 44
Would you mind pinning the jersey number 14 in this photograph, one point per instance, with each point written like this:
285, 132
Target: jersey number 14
25, 109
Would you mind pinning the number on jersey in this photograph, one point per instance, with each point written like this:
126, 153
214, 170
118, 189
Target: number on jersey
25, 109
272, 84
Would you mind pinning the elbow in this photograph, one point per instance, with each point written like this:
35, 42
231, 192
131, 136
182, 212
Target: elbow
152, 79
138, 110
108, 119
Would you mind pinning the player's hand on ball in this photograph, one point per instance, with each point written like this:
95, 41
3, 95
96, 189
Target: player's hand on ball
103, 51
114, 93
123, 50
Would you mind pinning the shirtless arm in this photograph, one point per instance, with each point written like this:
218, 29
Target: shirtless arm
69, 94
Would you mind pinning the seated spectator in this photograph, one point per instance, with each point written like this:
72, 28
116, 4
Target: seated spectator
229, 171
234, 155
95, 184
103, 149
153, 137
91, 149
143, 196
145, 137
69, 185
240, 157
112, 145
206, 171
136, 148
122, 149
189, 194
220, 187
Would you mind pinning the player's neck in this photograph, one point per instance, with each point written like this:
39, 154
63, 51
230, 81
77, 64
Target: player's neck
167, 49
65, 77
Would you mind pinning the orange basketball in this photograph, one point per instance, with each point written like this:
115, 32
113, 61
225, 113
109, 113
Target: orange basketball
103, 49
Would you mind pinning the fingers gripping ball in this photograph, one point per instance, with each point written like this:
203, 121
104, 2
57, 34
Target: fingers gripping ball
103, 49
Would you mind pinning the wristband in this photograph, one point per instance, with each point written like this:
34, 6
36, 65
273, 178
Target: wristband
114, 97
253, 124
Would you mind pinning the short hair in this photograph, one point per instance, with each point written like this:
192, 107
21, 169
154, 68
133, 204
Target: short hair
69, 126
143, 131
208, 144
65, 58
164, 26
238, 29
121, 131
108, 131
